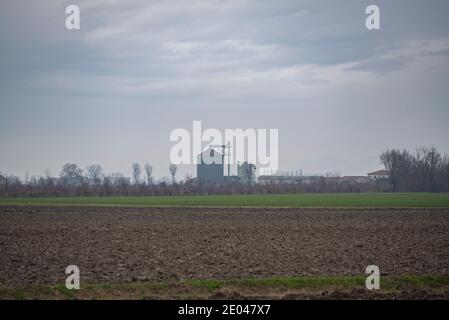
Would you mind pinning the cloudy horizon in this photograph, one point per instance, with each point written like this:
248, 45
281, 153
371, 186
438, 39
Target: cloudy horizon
111, 92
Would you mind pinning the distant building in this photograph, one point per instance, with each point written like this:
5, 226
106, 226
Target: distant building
287, 179
379, 174
354, 179
210, 167
246, 173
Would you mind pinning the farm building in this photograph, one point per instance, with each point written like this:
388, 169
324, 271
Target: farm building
379, 174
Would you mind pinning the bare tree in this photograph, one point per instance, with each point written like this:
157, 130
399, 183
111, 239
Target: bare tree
444, 172
117, 179
136, 173
427, 165
71, 174
3, 182
48, 177
149, 172
398, 164
173, 168
95, 174
432, 162
420, 171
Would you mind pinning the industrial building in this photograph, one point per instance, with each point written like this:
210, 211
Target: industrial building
246, 173
210, 169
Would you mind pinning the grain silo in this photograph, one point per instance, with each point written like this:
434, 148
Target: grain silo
210, 167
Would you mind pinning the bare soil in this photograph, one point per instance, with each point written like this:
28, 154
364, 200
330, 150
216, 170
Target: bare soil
125, 244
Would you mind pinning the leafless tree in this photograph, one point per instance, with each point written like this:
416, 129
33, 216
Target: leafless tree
136, 173
3, 183
173, 168
429, 163
149, 172
71, 174
420, 171
397, 162
427, 167
48, 177
95, 174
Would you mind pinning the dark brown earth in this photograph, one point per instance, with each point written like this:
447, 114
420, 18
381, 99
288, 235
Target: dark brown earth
122, 244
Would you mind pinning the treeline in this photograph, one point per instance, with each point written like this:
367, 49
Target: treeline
74, 181
183, 187
425, 170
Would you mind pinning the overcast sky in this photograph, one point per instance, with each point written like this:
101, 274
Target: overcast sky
112, 92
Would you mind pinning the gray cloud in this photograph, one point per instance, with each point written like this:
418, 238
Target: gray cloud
138, 69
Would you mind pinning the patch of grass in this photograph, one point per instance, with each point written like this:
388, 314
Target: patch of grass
23, 293
305, 282
19, 295
209, 284
437, 200
204, 288
66, 293
424, 281
133, 285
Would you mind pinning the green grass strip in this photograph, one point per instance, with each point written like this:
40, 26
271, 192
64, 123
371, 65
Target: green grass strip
382, 200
